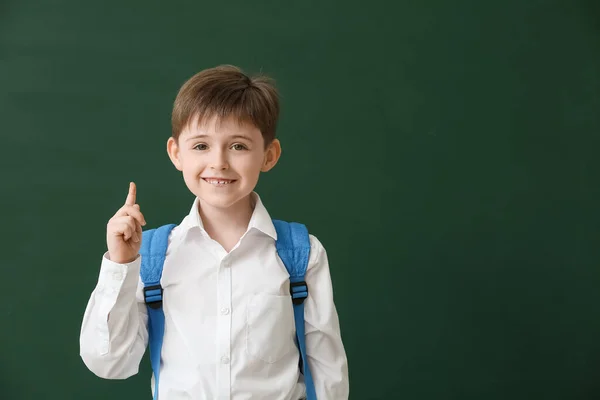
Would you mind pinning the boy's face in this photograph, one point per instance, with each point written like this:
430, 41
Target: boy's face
221, 162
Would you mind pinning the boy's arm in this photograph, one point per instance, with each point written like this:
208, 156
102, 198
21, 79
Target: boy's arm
324, 348
114, 332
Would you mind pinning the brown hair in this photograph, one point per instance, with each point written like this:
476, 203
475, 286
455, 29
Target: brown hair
225, 91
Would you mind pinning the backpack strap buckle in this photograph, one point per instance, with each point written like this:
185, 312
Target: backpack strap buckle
153, 296
299, 292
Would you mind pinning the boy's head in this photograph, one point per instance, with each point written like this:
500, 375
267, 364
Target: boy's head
223, 134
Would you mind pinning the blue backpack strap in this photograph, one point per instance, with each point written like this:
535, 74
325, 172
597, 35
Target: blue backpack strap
153, 252
293, 247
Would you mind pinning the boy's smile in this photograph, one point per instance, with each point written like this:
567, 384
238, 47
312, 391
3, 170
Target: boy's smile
219, 182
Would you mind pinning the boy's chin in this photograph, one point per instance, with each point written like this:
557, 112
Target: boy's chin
222, 201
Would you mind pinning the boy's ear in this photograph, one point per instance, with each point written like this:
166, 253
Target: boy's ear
173, 151
272, 155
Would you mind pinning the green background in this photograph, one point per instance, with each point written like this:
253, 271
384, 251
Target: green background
444, 152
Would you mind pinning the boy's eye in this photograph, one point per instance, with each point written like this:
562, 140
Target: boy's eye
239, 146
201, 146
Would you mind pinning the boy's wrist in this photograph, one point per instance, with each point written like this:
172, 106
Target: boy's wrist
119, 260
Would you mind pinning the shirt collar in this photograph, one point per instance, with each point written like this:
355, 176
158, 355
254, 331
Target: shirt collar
260, 220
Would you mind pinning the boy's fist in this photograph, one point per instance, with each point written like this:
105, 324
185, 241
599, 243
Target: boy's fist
124, 230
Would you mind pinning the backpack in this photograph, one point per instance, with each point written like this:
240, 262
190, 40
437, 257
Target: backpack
293, 247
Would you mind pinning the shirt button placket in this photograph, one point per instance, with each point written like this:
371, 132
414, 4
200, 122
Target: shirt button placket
224, 330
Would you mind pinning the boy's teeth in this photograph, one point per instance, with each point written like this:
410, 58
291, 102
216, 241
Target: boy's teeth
217, 182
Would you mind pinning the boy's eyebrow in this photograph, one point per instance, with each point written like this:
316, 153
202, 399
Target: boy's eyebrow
202, 136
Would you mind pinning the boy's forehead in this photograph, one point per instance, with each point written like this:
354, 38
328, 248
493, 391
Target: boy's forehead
220, 126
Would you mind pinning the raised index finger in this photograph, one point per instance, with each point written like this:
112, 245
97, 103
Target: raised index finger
131, 196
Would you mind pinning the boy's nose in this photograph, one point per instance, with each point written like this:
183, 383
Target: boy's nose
219, 161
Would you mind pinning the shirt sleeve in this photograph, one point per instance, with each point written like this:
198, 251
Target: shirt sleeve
324, 348
114, 333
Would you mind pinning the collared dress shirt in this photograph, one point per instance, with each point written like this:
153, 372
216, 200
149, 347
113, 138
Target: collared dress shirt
229, 322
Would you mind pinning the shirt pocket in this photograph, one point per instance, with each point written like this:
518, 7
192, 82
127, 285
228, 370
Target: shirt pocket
270, 327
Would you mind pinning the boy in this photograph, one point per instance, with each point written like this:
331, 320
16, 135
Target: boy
229, 323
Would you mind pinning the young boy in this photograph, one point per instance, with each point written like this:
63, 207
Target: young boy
229, 321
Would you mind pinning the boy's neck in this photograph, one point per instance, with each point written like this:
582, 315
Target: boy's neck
227, 225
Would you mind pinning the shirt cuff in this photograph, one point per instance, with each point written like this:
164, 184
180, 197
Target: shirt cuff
115, 277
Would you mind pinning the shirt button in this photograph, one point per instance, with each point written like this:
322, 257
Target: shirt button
225, 360
225, 311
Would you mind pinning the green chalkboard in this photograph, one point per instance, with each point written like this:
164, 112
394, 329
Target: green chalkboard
444, 152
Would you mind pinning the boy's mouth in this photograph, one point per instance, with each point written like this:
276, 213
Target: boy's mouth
218, 181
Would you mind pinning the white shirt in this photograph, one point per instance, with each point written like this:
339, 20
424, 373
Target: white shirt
229, 323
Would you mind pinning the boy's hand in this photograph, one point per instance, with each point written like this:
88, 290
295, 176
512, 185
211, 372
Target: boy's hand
124, 230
